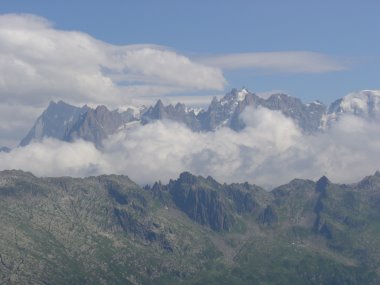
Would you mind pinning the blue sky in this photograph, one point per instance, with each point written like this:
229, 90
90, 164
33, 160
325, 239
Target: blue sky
347, 32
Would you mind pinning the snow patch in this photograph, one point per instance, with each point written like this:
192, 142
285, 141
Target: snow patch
195, 110
360, 102
128, 125
223, 102
241, 94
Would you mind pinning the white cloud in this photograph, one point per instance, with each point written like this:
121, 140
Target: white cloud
14, 119
55, 158
270, 151
39, 63
283, 61
158, 65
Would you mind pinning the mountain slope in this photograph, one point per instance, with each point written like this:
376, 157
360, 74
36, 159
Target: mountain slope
54, 122
97, 124
194, 230
68, 123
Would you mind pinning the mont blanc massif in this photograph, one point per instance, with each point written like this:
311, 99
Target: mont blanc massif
251, 190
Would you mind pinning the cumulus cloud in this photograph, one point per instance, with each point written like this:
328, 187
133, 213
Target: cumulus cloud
270, 151
283, 61
39, 63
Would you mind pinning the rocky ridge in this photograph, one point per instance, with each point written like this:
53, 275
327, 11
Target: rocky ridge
193, 230
65, 122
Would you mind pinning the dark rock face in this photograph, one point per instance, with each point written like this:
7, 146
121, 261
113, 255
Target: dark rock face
144, 232
204, 207
201, 204
119, 197
321, 186
208, 202
244, 200
159, 192
267, 217
321, 227
321, 189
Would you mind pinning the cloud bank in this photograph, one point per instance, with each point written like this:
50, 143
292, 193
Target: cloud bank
39, 63
270, 151
284, 62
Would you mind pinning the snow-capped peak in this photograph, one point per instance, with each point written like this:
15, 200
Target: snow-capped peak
361, 101
241, 94
365, 103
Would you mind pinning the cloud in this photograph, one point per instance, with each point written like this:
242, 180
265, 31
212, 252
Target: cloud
56, 158
14, 118
270, 151
39, 63
283, 62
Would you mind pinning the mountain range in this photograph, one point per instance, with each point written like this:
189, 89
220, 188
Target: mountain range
66, 122
193, 230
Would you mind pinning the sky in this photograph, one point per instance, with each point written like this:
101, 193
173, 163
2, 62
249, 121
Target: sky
344, 32
127, 53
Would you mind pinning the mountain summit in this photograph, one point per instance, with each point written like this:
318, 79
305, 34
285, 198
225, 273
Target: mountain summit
365, 104
54, 122
66, 122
